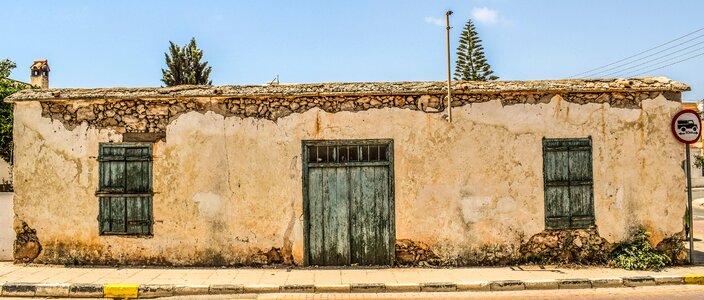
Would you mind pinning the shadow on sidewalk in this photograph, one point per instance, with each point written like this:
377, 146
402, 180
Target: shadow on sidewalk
698, 255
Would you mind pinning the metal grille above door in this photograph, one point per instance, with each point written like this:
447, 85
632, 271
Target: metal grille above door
348, 202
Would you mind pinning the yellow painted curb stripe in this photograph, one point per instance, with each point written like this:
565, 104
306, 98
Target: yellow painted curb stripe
122, 291
694, 279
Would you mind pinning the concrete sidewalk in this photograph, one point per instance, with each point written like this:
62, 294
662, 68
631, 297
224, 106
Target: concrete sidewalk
59, 281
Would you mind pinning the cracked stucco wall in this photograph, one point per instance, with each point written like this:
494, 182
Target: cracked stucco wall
228, 189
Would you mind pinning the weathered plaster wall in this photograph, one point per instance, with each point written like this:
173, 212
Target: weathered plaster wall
7, 235
228, 188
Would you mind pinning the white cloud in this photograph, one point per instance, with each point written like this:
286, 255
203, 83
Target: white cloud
434, 21
485, 15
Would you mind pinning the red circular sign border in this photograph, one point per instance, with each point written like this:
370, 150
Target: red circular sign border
674, 132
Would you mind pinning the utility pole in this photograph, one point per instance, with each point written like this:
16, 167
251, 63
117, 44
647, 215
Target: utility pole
449, 78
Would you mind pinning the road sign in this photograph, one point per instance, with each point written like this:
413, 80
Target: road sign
686, 126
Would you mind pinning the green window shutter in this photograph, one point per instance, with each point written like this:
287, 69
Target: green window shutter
112, 169
125, 189
138, 170
567, 167
557, 209
117, 214
581, 185
138, 215
104, 214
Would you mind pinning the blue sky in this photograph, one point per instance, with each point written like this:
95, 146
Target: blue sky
121, 43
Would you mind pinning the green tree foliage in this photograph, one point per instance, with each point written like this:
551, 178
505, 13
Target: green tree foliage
7, 87
6, 67
184, 66
471, 63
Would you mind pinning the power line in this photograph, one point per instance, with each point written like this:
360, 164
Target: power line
656, 59
637, 54
637, 71
674, 63
647, 56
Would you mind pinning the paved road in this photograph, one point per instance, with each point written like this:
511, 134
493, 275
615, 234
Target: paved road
698, 213
673, 292
681, 292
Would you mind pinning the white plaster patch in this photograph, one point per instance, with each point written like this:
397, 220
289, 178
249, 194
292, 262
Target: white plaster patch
209, 204
474, 209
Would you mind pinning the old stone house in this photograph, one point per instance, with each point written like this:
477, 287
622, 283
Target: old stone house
345, 173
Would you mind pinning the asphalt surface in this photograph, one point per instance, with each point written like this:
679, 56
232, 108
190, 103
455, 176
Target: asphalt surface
644, 293
698, 213
674, 292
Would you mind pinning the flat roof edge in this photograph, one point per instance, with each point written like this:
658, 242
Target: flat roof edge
648, 84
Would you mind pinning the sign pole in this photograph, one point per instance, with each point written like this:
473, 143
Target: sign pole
691, 209
686, 126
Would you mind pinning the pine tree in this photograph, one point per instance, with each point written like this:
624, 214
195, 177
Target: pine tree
184, 66
471, 63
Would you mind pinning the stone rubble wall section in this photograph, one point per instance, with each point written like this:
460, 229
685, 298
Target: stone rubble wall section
153, 115
27, 246
553, 247
335, 89
577, 246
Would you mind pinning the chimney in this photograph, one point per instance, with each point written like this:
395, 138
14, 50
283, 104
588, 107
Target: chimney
40, 74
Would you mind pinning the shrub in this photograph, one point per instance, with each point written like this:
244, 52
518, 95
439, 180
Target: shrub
638, 254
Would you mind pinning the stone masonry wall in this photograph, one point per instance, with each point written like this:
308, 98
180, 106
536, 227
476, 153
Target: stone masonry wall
153, 115
553, 246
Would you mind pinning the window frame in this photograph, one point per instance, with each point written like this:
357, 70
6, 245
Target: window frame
104, 192
579, 146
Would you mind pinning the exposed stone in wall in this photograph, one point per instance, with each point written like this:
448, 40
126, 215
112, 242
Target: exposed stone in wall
570, 246
567, 246
674, 248
487, 255
154, 115
273, 257
27, 246
334, 89
89, 254
413, 253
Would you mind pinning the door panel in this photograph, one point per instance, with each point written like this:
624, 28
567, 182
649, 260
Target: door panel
315, 217
336, 216
349, 208
370, 217
383, 216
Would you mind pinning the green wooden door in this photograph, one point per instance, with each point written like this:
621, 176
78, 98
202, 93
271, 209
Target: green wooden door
369, 216
348, 197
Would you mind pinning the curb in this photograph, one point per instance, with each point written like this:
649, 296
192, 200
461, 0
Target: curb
131, 291
693, 279
123, 291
